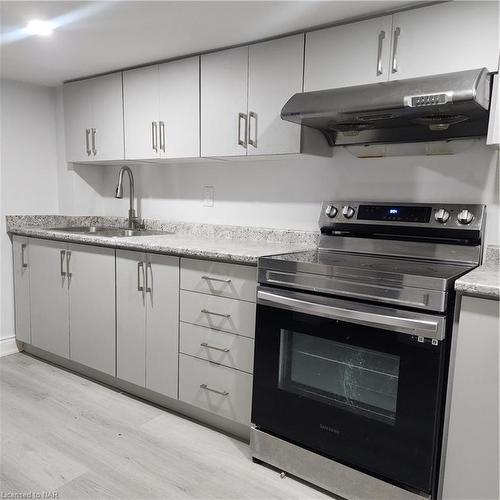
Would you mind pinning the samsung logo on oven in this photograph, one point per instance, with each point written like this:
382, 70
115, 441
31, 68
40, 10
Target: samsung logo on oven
329, 428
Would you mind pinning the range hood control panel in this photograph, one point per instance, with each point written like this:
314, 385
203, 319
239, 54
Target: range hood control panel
415, 101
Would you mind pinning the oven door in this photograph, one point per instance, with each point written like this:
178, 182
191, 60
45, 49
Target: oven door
358, 383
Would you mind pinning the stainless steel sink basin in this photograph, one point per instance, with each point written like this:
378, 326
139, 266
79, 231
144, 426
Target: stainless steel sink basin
121, 233
110, 232
81, 229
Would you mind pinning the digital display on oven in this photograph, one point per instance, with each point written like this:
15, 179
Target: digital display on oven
394, 213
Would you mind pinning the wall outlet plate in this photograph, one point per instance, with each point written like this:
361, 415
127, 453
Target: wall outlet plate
208, 196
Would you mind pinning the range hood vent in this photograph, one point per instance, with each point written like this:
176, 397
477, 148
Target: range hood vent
448, 106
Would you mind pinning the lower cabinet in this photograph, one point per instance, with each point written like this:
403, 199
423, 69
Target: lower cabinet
49, 296
223, 348
130, 315
72, 298
215, 388
20, 253
91, 285
217, 326
471, 465
147, 291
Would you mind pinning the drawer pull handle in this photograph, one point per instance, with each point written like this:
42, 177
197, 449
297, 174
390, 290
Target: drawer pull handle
222, 393
209, 278
204, 344
206, 311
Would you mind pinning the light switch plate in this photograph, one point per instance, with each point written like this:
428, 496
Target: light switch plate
208, 196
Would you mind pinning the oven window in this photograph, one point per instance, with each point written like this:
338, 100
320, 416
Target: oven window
361, 380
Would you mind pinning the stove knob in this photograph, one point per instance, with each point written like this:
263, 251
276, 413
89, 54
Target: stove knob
465, 217
442, 215
331, 211
348, 212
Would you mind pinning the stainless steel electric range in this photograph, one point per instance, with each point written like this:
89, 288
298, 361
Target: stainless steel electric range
352, 347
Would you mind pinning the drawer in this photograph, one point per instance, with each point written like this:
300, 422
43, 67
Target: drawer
223, 348
219, 313
199, 379
217, 278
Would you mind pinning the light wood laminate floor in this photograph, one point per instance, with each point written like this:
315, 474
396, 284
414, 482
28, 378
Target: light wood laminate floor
65, 434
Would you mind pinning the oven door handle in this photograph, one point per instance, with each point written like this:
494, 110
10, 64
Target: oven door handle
378, 317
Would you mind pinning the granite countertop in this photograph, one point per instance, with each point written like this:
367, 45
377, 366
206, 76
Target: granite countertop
484, 281
237, 244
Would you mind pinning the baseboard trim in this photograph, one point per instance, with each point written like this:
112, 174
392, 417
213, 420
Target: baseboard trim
8, 346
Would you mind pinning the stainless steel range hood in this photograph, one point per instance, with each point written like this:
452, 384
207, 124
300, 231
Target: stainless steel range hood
438, 107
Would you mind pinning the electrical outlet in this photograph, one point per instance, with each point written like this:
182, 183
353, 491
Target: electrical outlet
208, 196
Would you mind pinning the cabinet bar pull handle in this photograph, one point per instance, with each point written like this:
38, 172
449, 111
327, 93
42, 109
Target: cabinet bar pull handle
242, 142
23, 255
154, 136
63, 256
149, 283
209, 278
397, 33
162, 136
206, 311
68, 258
94, 149
140, 272
381, 37
87, 142
222, 393
204, 344
252, 142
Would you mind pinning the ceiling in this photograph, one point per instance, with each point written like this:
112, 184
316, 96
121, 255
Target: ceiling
97, 37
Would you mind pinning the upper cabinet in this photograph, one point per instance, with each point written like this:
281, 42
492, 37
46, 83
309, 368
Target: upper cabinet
228, 103
161, 110
242, 93
275, 73
351, 54
93, 116
493, 138
224, 79
443, 38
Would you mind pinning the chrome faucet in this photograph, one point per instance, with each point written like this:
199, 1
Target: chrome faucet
133, 220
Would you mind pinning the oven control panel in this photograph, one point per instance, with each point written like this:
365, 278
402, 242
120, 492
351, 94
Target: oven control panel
429, 215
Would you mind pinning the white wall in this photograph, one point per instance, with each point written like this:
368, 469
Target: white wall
285, 193
28, 170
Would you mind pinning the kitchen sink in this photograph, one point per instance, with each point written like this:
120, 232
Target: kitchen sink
111, 232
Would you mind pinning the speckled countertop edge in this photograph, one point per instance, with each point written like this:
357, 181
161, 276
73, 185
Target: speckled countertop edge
237, 244
484, 281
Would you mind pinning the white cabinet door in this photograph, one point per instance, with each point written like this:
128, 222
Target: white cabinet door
141, 113
131, 316
107, 112
493, 137
352, 54
49, 296
471, 467
179, 127
20, 250
92, 306
162, 323
77, 120
275, 73
447, 37
224, 102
